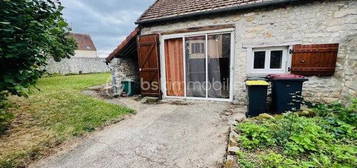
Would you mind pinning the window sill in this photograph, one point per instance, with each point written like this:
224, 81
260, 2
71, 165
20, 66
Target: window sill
263, 75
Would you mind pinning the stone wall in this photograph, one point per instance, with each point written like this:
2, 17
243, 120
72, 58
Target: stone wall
123, 69
85, 53
78, 65
317, 22
349, 76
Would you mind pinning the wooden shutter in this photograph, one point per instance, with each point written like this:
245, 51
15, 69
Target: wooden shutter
149, 66
315, 59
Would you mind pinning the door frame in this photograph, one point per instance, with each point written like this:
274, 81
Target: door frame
190, 34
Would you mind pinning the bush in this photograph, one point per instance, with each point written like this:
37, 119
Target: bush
31, 32
337, 110
326, 139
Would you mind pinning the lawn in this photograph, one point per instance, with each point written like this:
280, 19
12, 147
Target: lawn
53, 114
323, 136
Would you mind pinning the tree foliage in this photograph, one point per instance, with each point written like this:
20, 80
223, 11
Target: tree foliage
31, 32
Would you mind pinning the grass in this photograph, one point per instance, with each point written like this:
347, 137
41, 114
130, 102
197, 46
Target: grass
54, 114
323, 136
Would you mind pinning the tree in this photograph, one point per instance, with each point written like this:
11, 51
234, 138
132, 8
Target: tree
31, 32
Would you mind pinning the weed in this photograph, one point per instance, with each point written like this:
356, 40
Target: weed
326, 137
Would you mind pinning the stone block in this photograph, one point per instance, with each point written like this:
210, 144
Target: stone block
232, 150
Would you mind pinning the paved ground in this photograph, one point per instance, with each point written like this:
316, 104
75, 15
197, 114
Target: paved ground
158, 136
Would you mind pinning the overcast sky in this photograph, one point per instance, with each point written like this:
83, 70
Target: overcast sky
107, 21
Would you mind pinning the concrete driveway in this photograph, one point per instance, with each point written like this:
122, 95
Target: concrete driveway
159, 136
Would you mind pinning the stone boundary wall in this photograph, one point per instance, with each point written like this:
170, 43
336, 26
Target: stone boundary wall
317, 22
78, 65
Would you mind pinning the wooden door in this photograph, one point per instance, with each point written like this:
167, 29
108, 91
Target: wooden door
149, 66
174, 67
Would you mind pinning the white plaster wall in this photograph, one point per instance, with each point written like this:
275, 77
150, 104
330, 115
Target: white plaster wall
310, 23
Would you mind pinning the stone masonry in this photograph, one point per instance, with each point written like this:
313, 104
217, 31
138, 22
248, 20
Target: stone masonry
123, 69
317, 22
349, 76
78, 65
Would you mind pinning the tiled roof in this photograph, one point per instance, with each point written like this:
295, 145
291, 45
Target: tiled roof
169, 8
84, 42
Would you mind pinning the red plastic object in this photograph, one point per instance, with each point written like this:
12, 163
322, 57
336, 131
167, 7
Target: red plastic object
285, 76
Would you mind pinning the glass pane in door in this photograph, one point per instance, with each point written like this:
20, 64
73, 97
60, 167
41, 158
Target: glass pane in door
218, 51
195, 66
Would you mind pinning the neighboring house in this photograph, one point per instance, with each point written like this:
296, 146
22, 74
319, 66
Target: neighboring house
85, 59
180, 44
85, 45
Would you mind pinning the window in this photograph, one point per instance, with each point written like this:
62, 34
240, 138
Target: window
197, 48
268, 60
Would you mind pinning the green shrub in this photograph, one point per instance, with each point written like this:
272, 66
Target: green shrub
305, 136
346, 114
254, 135
325, 139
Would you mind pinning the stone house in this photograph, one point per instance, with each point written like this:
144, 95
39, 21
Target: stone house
179, 44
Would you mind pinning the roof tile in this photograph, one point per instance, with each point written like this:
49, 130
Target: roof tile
84, 41
168, 8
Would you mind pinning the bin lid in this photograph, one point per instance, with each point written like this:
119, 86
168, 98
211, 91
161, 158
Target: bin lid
286, 77
256, 83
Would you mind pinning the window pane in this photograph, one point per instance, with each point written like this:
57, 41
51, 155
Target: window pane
219, 50
197, 48
276, 59
195, 66
259, 59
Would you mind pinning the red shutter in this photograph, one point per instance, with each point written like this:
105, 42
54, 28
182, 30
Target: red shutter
149, 67
315, 59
